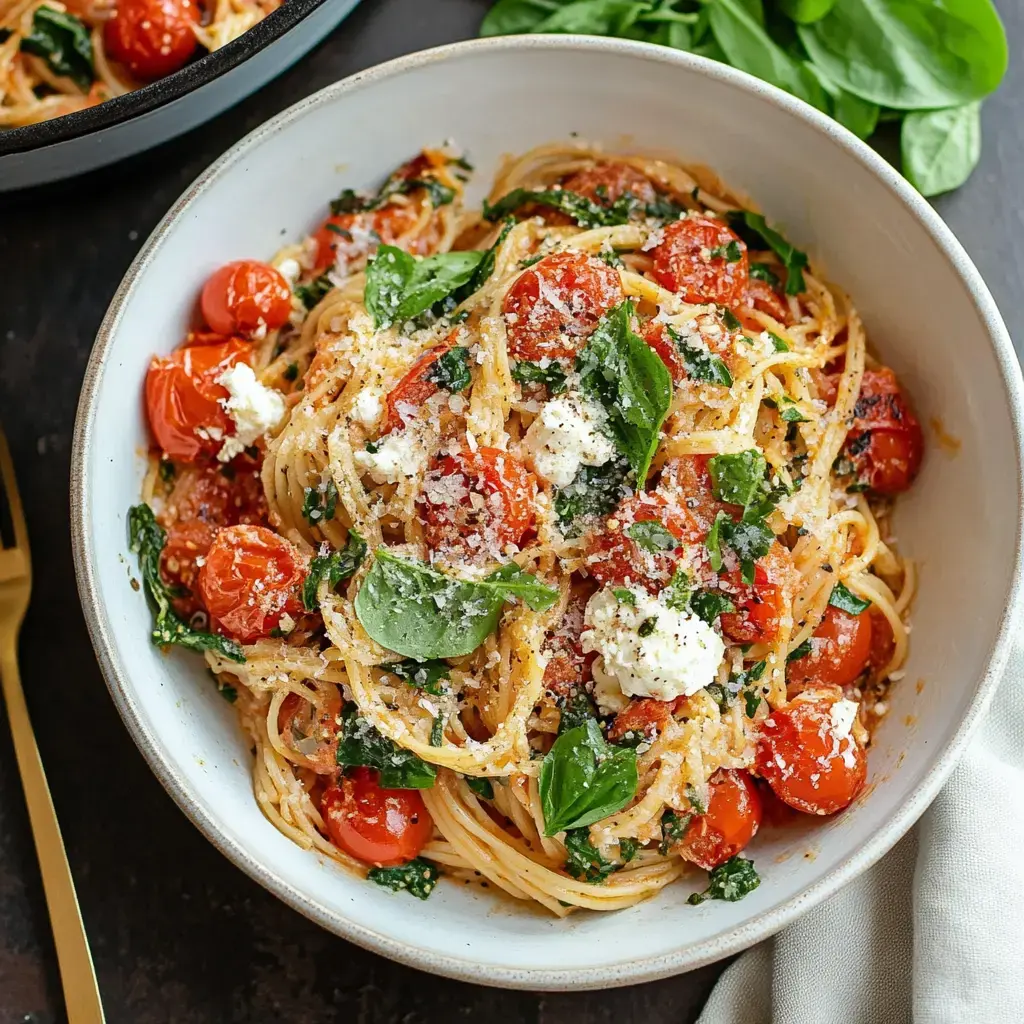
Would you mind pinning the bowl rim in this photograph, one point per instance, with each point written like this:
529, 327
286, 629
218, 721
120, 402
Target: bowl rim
687, 957
161, 92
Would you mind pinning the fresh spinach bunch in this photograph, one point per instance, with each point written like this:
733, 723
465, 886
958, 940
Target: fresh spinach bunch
925, 63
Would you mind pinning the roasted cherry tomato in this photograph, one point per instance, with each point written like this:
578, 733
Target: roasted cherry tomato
250, 578
383, 827
568, 667
883, 642
659, 339
555, 305
604, 183
825, 384
764, 298
840, 649
702, 260
759, 608
477, 502
615, 556
311, 731
354, 236
732, 819
806, 761
643, 717
885, 442
183, 397
414, 388
689, 475
246, 296
152, 38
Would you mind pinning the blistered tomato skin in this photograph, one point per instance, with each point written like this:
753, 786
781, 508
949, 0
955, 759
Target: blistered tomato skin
556, 304
246, 297
840, 650
415, 388
605, 183
152, 38
250, 579
300, 722
731, 821
353, 236
702, 260
382, 827
759, 607
808, 764
477, 502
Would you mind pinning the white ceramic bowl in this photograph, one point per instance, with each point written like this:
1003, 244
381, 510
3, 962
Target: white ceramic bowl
927, 312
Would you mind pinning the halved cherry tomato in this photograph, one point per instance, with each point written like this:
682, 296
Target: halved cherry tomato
246, 296
250, 578
643, 717
616, 559
311, 731
152, 38
883, 642
383, 827
804, 760
759, 607
658, 338
355, 235
695, 258
604, 183
477, 502
839, 652
556, 304
568, 667
183, 397
414, 388
732, 819
885, 442
763, 297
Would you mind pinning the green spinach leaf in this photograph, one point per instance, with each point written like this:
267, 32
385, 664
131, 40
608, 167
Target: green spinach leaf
737, 478
481, 787
847, 601
451, 370
552, 375
63, 41
311, 294
320, 503
650, 535
583, 860
421, 675
584, 211
360, 744
674, 827
594, 491
709, 604
805, 12
334, 567
940, 148
754, 229
730, 881
417, 877
701, 364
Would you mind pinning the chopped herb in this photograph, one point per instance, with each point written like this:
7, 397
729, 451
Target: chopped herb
719, 694
738, 477
624, 596
846, 601
552, 375
677, 594
584, 211
167, 470
311, 294
485, 267
482, 787
64, 42
731, 252
709, 604
451, 370
674, 827
695, 801
291, 372
437, 731
748, 683
146, 538
731, 320
648, 626
335, 567
789, 411
422, 675
652, 536
763, 272
611, 257
531, 260
320, 503
577, 709
701, 365
583, 860
628, 849
372, 447
361, 745
438, 193
418, 877
594, 491
713, 540
777, 343
730, 881
800, 651
754, 230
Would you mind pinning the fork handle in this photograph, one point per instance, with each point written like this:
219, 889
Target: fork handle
78, 977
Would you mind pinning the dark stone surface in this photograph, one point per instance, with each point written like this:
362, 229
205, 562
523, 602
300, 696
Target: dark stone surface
178, 934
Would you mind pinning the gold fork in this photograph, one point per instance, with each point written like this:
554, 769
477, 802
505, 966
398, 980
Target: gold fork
81, 993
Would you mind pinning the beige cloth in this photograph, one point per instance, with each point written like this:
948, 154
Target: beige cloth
933, 933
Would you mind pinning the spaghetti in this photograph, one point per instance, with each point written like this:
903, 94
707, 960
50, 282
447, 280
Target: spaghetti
56, 58
541, 544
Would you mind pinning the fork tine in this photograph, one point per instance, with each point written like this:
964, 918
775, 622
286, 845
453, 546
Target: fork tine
10, 486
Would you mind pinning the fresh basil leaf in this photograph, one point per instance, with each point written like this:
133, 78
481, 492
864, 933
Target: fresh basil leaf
650, 535
910, 54
583, 860
730, 881
678, 594
146, 538
674, 827
576, 709
738, 477
481, 787
63, 41
361, 745
627, 377
754, 230
335, 567
628, 849
421, 675
400, 287
709, 604
584, 211
750, 539
552, 375
320, 503
940, 148
701, 365
713, 541
410, 608
583, 779
763, 272
806, 11
847, 601
311, 294
451, 370
594, 491
417, 877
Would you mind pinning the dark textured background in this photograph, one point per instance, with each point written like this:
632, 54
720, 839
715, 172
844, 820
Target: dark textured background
178, 934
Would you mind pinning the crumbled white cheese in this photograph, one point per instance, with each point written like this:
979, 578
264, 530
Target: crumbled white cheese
678, 654
843, 714
286, 623
398, 456
565, 436
290, 270
254, 408
367, 408
608, 694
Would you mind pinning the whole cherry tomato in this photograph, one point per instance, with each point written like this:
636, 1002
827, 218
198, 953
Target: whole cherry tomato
730, 822
839, 651
604, 183
152, 38
245, 297
702, 260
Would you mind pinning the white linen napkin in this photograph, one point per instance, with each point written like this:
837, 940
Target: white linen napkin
934, 932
